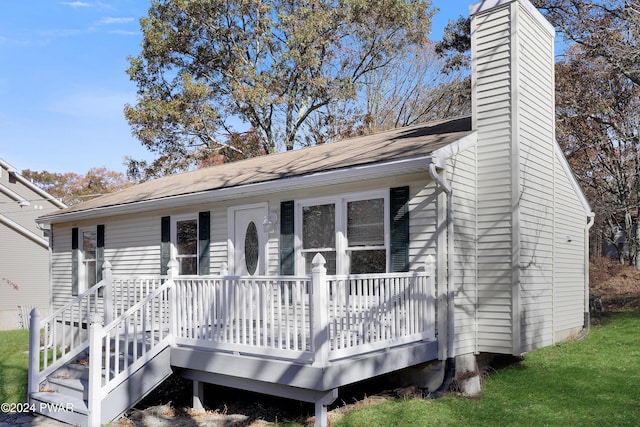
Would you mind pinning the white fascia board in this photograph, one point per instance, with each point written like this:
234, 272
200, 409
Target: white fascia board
443, 154
486, 5
572, 178
330, 177
24, 231
12, 194
48, 197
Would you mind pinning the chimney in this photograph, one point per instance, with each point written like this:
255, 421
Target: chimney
512, 52
512, 48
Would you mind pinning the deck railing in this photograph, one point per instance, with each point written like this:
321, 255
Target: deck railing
64, 334
313, 319
126, 344
262, 315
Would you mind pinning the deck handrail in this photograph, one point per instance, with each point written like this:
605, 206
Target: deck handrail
314, 319
65, 331
119, 349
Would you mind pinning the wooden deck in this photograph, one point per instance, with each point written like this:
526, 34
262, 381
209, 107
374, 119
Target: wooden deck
296, 337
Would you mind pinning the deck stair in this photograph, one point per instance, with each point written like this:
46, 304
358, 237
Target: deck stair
64, 395
97, 372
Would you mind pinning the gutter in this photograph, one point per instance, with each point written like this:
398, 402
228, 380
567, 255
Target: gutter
24, 231
14, 173
587, 314
450, 365
404, 166
330, 177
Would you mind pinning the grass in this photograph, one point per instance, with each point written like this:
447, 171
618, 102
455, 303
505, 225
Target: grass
593, 381
589, 382
14, 363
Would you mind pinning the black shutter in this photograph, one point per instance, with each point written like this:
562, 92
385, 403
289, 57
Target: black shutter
287, 239
99, 255
204, 238
75, 261
99, 251
399, 229
165, 244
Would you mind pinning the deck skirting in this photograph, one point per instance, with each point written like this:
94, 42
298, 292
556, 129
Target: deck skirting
257, 373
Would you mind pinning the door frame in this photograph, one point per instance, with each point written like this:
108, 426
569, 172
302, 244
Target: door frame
263, 237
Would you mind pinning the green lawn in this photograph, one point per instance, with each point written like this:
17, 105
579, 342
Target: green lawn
14, 362
594, 381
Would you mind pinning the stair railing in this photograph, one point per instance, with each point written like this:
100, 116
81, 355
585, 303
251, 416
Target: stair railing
64, 333
121, 348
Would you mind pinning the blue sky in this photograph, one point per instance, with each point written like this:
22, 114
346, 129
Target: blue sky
63, 84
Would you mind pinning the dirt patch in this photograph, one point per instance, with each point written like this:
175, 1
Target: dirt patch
617, 286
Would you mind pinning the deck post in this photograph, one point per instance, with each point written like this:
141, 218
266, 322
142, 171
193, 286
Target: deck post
320, 312
321, 413
107, 277
94, 403
34, 353
172, 272
198, 395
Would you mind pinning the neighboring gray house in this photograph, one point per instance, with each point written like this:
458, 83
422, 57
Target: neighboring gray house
297, 273
24, 248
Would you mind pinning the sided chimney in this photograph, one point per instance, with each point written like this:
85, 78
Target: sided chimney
512, 47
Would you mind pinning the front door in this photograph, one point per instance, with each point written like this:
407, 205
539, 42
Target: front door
248, 240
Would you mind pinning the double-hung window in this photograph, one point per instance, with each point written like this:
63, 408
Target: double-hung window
366, 236
319, 234
185, 241
350, 231
187, 238
88, 265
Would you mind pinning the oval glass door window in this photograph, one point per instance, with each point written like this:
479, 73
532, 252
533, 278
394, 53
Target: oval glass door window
251, 249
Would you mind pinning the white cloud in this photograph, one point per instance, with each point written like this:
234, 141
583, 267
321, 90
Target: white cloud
125, 32
114, 21
75, 4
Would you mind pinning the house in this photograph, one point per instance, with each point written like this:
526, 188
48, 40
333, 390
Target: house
297, 273
24, 248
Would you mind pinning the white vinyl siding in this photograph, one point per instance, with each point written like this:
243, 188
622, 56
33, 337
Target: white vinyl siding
423, 223
61, 265
24, 252
536, 194
132, 245
492, 103
24, 276
462, 174
526, 292
569, 257
219, 234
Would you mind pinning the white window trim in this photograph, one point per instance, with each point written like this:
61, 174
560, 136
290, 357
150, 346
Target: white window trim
340, 201
82, 276
174, 235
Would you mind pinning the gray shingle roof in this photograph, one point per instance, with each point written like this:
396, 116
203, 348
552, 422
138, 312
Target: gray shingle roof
397, 144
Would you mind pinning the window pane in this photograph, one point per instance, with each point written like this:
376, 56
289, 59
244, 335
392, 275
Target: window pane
89, 245
319, 226
329, 256
251, 248
368, 262
188, 266
90, 273
365, 223
187, 237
